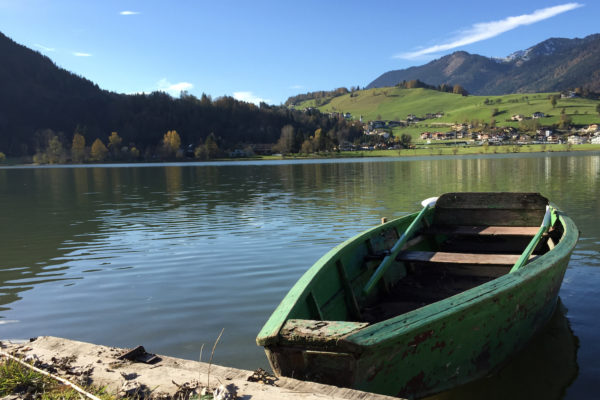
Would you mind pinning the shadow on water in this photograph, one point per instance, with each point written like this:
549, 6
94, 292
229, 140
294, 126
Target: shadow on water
543, 370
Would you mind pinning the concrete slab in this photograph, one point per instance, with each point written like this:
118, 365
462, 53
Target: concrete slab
101, 366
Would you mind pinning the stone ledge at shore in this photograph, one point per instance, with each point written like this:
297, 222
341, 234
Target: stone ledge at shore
166, 378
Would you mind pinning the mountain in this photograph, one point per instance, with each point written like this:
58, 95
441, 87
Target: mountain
553, 65
39, 100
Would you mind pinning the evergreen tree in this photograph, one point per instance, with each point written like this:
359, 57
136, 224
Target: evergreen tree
212, 148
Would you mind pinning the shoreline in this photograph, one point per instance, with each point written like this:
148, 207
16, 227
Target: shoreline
441, 150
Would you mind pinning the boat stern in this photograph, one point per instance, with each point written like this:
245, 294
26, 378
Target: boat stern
316, 351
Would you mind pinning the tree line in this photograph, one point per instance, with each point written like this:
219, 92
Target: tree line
318, 95
43, 108
206, 128
444, 87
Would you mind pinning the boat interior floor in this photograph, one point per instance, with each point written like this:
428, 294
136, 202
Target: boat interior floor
418, 290
467, 257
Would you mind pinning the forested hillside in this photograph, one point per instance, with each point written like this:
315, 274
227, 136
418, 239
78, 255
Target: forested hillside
39, 101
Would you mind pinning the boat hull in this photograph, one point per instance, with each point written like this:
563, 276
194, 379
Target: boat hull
436, 347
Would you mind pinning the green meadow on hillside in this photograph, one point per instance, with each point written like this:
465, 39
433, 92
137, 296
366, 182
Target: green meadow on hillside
393, 103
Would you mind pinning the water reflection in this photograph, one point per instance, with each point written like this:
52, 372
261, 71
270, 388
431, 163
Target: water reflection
176, 253
543, 370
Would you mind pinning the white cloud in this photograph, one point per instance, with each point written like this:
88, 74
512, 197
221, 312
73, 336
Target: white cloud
486, 30
39, 46
79, 54
296, 87
249, 97
174, 89
129, 12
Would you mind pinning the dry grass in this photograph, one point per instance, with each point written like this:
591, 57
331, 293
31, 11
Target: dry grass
16, 379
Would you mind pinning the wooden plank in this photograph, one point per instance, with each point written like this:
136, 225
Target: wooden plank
458, 258
325, 332
486, 271
484, 244
493, 200
485, 230
483, 216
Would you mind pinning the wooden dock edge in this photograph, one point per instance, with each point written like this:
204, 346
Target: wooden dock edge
104, 369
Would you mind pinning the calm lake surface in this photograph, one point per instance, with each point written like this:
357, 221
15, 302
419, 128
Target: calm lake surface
168, 255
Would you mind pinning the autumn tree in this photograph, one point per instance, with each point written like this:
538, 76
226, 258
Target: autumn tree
78, 148
553, 100
529, 125
55, 151
212, 148
565, 121
99, 151
42, 139
2, 157
200, 151
458, 89
114, 144
50, 148
171, 143
405, 140
285, 144
322, 141
134, 153
307, 147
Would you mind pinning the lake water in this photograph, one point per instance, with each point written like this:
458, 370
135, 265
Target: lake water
168, 255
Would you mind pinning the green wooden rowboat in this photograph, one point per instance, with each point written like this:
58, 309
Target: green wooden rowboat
425, 302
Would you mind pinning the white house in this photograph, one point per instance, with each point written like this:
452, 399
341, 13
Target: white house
574, 139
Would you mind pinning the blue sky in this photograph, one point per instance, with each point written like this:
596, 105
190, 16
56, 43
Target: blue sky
270, 50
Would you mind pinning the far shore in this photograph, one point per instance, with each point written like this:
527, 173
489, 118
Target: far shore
437, 149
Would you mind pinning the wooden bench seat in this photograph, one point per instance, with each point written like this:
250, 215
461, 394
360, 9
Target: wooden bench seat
484, 230
458, 258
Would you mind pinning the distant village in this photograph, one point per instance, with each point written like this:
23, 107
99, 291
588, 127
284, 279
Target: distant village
466, 133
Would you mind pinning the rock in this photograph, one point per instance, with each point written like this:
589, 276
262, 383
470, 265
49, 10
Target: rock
130, 388
225, 392
31, 358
